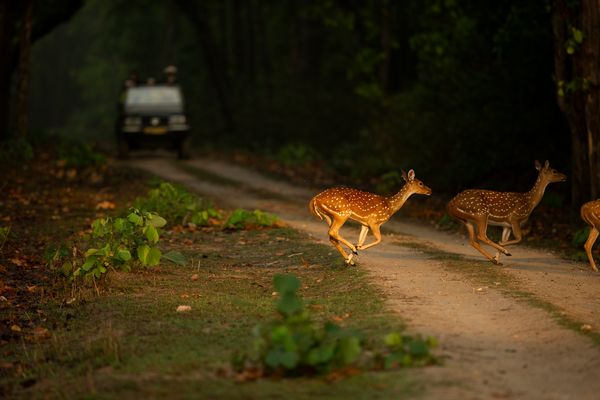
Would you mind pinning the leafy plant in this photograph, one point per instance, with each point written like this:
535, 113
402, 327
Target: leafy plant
405, 350
15, 151
78, 154
118, 244
295, 344
244, 219
296, 154
4, 234
178, 205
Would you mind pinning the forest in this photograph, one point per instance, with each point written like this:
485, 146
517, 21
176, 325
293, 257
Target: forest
129, 273
465, 92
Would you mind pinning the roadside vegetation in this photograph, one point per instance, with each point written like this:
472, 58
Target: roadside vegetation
128, 286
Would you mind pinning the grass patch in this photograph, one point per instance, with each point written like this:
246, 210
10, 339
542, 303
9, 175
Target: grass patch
130, 342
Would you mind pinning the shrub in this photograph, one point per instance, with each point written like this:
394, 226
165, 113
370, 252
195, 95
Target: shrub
118, 244
244, 219
178, 205
295, 344
78, 154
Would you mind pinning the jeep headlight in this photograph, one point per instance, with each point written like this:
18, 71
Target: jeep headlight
177, 120
133, 121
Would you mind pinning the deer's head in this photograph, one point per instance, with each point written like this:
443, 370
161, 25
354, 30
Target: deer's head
549, 174
415, 185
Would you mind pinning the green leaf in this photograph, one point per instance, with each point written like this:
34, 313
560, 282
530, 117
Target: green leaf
135, 219
153, 257
276, 358
393, 339
89, 263
104, 251
157, 221
289, 304
90, 252
142, 253
175, 257
577, 35
123, 255
120, 225
286, 283
349, 349
151, 233
418, 348
67, 268
570, 50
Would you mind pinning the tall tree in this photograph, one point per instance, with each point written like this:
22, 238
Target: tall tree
48, 15
24, 69
576, 28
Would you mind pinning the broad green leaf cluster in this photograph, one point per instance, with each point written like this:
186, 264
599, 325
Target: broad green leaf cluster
244, 219
296, 344
178, 205
119, 244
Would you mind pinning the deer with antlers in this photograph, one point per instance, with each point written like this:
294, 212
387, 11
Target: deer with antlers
479, 208
337, 205
590, 213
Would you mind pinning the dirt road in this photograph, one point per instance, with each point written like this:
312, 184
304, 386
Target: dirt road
527, 330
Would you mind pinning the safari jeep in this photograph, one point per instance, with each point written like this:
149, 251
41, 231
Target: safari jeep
152, 116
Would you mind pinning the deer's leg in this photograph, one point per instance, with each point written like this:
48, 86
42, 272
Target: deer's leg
364, 230
334, 230
588, 247
475, 243
516, 228
376, 234
505, 237
482, 236
337, 245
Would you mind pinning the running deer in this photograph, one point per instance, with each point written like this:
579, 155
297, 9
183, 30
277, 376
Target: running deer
336, 205
590, 213
510, 210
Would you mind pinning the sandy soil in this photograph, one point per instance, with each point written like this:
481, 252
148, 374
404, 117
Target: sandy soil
495, 345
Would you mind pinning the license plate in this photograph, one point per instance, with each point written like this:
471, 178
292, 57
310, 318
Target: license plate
155, 130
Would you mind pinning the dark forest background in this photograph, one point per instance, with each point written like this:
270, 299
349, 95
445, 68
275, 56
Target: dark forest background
468, 93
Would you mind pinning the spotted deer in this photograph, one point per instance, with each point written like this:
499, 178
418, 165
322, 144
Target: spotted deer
479, 208
337, 205
590, 213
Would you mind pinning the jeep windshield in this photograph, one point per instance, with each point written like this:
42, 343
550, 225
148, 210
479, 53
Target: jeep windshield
154, 99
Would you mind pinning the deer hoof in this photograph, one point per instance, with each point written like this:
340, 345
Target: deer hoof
495, 261
350, 262
508, 254
355, 251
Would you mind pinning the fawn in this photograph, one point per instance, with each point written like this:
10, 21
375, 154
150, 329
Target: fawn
510, 210
336, 205
590, 213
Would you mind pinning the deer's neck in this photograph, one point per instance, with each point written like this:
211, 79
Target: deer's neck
537, 192
398, 200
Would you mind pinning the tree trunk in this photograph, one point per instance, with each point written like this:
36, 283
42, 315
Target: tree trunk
386, 47
24, 70
578, 90
590, 66
6, 34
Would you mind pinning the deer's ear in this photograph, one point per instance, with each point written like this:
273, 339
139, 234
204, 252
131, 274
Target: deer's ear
404, 176
538, 166
547, 164
411, 175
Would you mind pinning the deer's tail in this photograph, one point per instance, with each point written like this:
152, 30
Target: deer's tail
312, 206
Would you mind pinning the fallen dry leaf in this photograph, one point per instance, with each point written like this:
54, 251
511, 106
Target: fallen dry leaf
586, 327
15, 328
194, 277
105, 205
183, 308
41, 333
